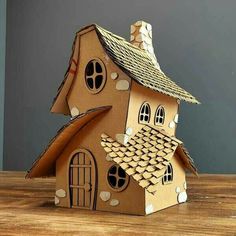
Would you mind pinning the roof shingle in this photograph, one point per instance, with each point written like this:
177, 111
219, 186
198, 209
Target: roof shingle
139, 66
151, 152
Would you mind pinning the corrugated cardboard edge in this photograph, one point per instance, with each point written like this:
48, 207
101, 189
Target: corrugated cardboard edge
59, 105
186, 158
59, 142
126, 69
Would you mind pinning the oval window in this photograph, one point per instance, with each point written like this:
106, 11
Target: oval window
117, 178
95, 76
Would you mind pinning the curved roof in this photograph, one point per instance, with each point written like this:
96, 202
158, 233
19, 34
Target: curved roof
139, 66
135, 62
44, 166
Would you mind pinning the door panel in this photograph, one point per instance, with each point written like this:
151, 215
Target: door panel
87, 177
75, 180
82, 179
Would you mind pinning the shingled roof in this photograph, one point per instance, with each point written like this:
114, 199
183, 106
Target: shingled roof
139, 66
146, 156
134, 61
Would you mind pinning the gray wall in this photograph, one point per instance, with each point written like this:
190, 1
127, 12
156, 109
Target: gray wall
195, 44
2, 72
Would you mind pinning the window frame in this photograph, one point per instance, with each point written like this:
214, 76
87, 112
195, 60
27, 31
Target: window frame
168, 172
126, 178
144, 114
159, 108
94, 75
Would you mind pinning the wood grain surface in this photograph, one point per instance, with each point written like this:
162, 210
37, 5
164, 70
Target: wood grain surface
27, 208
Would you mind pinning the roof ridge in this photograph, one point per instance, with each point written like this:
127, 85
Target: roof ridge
101, 28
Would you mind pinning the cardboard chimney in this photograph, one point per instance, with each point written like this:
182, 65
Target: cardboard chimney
118, 152
141, 36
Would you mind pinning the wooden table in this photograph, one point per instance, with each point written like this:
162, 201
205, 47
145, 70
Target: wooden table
27, 208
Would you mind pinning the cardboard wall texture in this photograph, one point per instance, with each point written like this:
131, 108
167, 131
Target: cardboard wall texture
193, 40
2, 72
139, 161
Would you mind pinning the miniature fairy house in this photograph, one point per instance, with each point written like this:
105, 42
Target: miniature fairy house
119, 152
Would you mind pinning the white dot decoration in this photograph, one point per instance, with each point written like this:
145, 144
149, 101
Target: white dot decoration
177, 189
114, 202
172, 124
122, 85
129, 131
114, 75
74, 111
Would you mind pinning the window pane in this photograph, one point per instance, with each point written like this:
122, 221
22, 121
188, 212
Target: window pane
161, 112
112, 170
98, 81
112, 181
121, 173
146, 109
142, 109
121, 182
89, 69
90, 83
164, 178
98, 68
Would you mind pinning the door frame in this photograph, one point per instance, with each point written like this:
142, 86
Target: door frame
93, 178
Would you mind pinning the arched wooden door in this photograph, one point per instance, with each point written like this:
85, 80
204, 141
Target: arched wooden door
82, 179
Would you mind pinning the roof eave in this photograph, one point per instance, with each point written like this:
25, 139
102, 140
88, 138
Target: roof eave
44, 165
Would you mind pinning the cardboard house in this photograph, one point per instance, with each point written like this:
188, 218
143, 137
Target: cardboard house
119, 152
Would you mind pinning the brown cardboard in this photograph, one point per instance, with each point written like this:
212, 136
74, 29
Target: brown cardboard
117, 154
59, 104
139, 95
45, 164
91, 141
146, 156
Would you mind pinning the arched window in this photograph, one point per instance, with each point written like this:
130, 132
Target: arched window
159, 116
144, 113
95, 76
168, 176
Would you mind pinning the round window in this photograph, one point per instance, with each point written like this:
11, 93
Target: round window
117, 178
95, 76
